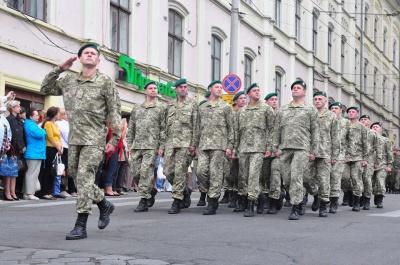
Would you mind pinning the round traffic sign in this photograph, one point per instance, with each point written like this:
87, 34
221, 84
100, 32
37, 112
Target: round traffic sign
231, 84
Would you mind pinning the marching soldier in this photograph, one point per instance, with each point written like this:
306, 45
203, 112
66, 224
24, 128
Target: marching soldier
396, 170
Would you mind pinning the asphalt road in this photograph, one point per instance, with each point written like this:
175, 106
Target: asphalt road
29, 230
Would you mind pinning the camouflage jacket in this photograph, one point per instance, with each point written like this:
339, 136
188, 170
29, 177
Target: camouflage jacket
296, 127
146, 129
386, 149
329, 136
215, 126
181, 122
356, 142
344, 124
253, 129
87, 103
396, 164
374, 152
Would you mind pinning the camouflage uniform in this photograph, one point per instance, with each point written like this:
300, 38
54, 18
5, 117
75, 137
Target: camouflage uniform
227, 182
337, 169
253, 130
181, 133
234, 172
145, 136
87, 103
396, 172
318, 179
374, 157
356, 152
385, 148
296, 134
216, 135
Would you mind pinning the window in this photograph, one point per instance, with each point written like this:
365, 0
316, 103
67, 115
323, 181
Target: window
355, 61
375, 83
342, 53
175, 42
215, 58
315, 32
376, 30
366, 21
33, 8
298, 20
384, 92
278, 6
394, 99
365, 77
330, 32
119, 25
247, 70
394, 52
384, 41
278, 86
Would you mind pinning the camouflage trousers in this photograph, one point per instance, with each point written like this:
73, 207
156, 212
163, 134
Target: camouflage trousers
227, 183
234, 180
317, 181
336, 178
142, 168
265, 175
367, 178
250, 165
275, 178
396, 180
379, 182
210, 171
353, 172
83, 162
294, 166
176, 165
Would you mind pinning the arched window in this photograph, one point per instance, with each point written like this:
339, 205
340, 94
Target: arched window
216, 51
175, 42
247, 70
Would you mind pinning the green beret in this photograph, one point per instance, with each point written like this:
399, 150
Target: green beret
149, 83
93, 45
335, 104
320, 93
214, 82
346, 117
299, 82
202, 102
180, 82
270, 95
238, 94
207, 94
251, 87
365, 116
354, 108
375, 123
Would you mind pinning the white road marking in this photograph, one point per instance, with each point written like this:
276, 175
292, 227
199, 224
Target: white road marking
388, 214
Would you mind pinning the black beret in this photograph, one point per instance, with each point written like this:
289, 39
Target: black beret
336, 103
238, 94
299, 82
270, 95
320, 93
214, 82
180, 82
149, 83
375, 123
93, 45
354, 108
365, 116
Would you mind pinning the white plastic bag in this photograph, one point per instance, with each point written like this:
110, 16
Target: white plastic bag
160, 173
60, 166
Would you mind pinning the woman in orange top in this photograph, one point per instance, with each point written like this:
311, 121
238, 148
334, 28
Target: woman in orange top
53, 146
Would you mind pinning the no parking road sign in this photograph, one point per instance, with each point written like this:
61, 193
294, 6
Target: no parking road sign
231, 84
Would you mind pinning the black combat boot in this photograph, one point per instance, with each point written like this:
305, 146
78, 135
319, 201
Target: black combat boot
79, 231
272, 206
143, 206
202, 200
186, 197
233, 200
153, 193
106, 208
356, 206
280, 200
345, 199
287, 200
175, 207
362, 201
211, 207
322, 209
302, 206
315, 204
261, 203
367, 203
242, 203
334, 204
379, 201
225, 198
294, 215
351, 198
266, 205
250, 209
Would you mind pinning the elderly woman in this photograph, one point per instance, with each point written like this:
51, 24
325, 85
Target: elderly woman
35, 152
5, 138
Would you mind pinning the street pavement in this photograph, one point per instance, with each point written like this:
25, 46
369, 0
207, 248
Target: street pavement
33, 232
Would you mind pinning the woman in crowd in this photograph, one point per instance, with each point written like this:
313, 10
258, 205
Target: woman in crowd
18, 145
122, 159
35, 152
111, 165
53, 146
5, 138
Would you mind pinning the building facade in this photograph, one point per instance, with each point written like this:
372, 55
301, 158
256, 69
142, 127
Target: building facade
279, 41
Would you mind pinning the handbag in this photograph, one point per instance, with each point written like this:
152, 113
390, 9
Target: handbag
9, 166
57, 166
22, 165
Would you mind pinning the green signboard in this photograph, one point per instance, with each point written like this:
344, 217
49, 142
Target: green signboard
136, 77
